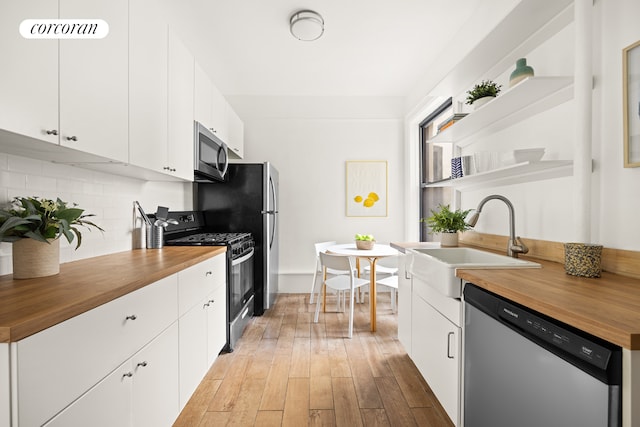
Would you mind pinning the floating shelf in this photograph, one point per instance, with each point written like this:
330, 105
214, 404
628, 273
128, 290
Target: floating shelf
513, 174
527, 98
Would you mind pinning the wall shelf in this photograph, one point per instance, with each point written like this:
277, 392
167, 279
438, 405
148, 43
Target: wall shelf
531, 96
512, 174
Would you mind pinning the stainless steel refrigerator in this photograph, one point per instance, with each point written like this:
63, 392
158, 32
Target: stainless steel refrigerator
247, 202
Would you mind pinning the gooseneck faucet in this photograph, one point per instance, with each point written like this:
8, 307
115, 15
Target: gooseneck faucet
515, 245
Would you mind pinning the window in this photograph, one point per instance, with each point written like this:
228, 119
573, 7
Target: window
435, 165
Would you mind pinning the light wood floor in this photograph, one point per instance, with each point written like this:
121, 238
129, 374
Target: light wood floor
288, 371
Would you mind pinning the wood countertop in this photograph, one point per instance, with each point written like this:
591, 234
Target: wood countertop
31, 305
607, 307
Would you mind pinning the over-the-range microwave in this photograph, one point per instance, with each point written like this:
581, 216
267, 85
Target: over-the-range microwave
211, 155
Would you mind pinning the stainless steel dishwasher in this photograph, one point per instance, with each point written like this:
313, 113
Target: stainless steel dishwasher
524, 369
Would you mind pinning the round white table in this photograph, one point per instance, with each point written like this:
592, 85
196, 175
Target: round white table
379, 251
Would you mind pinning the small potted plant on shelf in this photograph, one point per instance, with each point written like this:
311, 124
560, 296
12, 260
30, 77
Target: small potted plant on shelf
365, 241
482, 93
34, 226
447, 223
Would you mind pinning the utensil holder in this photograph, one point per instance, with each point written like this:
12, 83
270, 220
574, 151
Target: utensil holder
155, 237
583, 259
139, 237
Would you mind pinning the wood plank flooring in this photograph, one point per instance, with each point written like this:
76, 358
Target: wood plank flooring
288, 371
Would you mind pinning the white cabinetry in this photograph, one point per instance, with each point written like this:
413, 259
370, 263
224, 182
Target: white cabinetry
405, 301
68, 92
5, 388
202, 323
179, 160
79, 352
213, 111
436, 341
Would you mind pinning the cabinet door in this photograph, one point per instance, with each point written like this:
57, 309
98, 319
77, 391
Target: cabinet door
236, 133
148, 33
219, 110
180, 151
405, 302
192, 350
29, 73
94, 82
436, 353
107, 404
155, 381
216, 324
5, 386
203, 100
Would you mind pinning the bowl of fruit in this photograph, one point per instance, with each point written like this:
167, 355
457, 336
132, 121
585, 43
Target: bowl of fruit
365, 241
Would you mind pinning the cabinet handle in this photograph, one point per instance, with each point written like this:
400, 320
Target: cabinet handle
52, 132
213, 130
132, 317
128, 374
208, 273
72, 138
449, 335
143, 364
206, 305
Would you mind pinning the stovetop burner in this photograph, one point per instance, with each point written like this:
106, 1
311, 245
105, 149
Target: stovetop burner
210, 239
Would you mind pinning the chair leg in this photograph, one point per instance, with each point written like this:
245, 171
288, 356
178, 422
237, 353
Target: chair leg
318, 302
351, 301
314, 284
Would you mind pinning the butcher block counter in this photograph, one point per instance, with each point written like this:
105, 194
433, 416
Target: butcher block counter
31, 305
607, 307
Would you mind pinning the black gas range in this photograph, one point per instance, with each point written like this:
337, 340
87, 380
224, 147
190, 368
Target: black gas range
191, 230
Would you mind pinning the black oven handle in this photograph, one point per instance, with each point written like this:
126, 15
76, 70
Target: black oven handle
243, 258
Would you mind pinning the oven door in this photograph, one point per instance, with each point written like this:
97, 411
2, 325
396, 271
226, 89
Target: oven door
211, 155
240, 283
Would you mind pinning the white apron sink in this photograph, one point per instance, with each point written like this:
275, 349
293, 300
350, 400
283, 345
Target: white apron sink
437, 266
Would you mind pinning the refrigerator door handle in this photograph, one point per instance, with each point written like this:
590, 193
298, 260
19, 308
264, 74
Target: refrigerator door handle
269, 212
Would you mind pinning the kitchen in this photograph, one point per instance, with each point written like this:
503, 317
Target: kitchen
358, 124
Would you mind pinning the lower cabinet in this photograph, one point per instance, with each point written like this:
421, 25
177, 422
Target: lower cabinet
134, 361
143, 391
202, 337
405, 298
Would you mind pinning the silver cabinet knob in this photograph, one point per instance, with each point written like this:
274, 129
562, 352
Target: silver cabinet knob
72, 138
206, 305
208, 273
132, 317
211, 301
143, 364
52, 132
128, 374
169, 168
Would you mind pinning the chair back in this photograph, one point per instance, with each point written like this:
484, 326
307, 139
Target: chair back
336, 262
322, 246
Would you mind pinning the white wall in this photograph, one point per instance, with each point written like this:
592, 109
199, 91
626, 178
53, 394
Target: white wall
109, 197
309, 140
544, 209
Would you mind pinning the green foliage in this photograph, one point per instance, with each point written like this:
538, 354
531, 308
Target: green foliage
482, 89
366, 237
42, 219
446, 220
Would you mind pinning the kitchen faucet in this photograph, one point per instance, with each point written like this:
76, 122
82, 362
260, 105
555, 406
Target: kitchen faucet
515, 245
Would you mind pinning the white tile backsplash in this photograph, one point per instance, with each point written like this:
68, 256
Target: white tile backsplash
109, 197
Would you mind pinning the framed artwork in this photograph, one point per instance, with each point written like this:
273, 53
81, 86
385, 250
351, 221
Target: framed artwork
366, 188
631, 104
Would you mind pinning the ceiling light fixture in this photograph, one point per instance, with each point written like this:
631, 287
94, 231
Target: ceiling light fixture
306, 25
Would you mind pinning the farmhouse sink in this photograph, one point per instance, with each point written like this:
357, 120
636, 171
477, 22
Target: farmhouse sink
437, 266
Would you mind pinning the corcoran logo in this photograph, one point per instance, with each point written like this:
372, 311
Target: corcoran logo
64, 28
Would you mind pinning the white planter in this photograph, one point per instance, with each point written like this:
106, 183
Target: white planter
449, 239
481, 101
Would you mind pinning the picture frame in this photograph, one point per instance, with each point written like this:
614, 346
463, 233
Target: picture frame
631, 104
366, 188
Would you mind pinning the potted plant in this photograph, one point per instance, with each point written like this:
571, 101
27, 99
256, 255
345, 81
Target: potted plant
34, 225
447, 223
482, 93
365, 241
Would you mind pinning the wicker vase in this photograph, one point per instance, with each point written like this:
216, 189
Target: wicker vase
32, 258
365, 244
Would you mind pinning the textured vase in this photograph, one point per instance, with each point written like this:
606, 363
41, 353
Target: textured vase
449, 239
32, 258
521, 72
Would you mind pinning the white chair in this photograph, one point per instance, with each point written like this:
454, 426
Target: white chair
318, 273
387, 276
341, 282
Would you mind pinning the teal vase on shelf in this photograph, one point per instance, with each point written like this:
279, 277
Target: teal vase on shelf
521, 72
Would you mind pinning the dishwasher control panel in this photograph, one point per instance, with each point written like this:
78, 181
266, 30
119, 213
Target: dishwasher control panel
555, 335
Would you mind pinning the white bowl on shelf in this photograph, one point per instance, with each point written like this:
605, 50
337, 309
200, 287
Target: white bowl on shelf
528, 155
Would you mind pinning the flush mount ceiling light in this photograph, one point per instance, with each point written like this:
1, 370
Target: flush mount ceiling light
306, 25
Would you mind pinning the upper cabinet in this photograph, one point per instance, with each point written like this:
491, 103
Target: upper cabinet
68, 92
94, 83
213, 111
